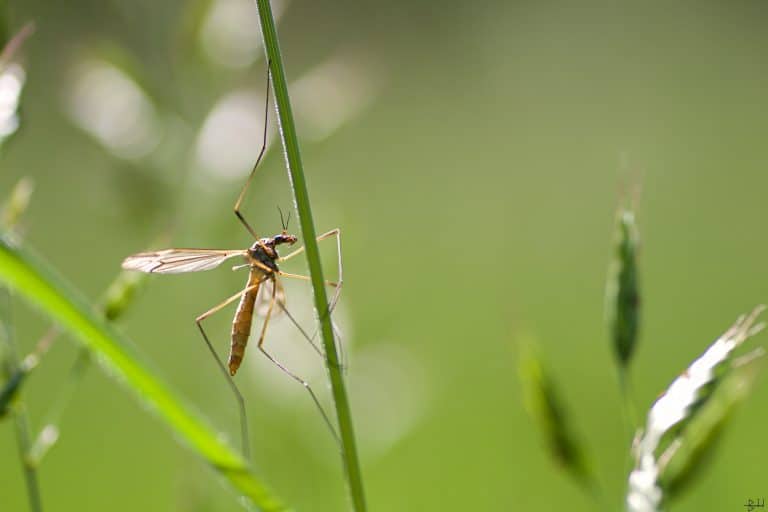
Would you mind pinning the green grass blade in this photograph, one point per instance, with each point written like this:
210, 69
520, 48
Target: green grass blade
12, 212
301, 196
20, 270
118, 297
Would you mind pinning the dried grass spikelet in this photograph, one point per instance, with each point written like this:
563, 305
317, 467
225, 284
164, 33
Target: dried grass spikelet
677, 408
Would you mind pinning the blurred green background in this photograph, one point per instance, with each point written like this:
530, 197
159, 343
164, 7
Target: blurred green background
473, 155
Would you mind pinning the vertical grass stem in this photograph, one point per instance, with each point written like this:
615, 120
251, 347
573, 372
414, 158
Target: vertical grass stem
301, 197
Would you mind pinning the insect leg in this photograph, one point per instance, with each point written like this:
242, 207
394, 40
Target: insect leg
303, 277
332, 233
280, 301
258, 159
238, 396
287, 371
311, 339
331, 304
334, 300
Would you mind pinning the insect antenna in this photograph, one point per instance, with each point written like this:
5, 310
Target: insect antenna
284, 221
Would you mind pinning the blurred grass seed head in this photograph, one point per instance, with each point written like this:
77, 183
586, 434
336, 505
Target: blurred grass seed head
623, 294
544, 403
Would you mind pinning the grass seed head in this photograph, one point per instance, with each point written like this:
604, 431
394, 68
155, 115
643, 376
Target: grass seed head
623, 294
545, 405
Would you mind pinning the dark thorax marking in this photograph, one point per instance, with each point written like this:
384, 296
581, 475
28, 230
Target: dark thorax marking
264, 251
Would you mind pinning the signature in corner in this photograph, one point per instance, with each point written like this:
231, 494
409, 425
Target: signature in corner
751, 504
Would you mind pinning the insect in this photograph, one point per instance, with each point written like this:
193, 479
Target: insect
263, 286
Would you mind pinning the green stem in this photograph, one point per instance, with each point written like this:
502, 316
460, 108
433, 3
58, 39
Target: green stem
628, 402
19, 411
43, 443
299, 185
30, 470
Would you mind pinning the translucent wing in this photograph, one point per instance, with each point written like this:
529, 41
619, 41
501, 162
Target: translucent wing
265, 296
175, 261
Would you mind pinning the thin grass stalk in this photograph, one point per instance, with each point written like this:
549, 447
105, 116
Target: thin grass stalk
308, 233
21, 419
118, 297
30, 470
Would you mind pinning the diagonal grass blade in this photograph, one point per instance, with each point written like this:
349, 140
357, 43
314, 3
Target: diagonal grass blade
41, 287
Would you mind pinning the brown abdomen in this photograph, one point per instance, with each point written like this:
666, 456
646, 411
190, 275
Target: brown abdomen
241, 325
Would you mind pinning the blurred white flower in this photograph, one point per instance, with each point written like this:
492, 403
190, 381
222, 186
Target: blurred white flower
109, 105
231, 135
323, 100
11, 83
329, 95
231, 35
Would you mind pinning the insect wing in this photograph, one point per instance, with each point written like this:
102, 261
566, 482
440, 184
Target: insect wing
175, 261
265, 296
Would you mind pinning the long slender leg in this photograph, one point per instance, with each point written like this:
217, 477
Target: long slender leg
287, 371
311, 339
332, 233
303, 277
258, 159
339, 347
280, 300
331, 304
335, 298
267, 270
238, 396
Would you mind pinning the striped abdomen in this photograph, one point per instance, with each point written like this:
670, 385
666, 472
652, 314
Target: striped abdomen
241, 325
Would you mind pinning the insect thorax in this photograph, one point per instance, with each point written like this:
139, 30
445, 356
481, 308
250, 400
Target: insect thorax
264, 253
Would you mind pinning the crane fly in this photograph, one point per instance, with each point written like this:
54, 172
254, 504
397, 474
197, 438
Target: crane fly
261, 259
263, 286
